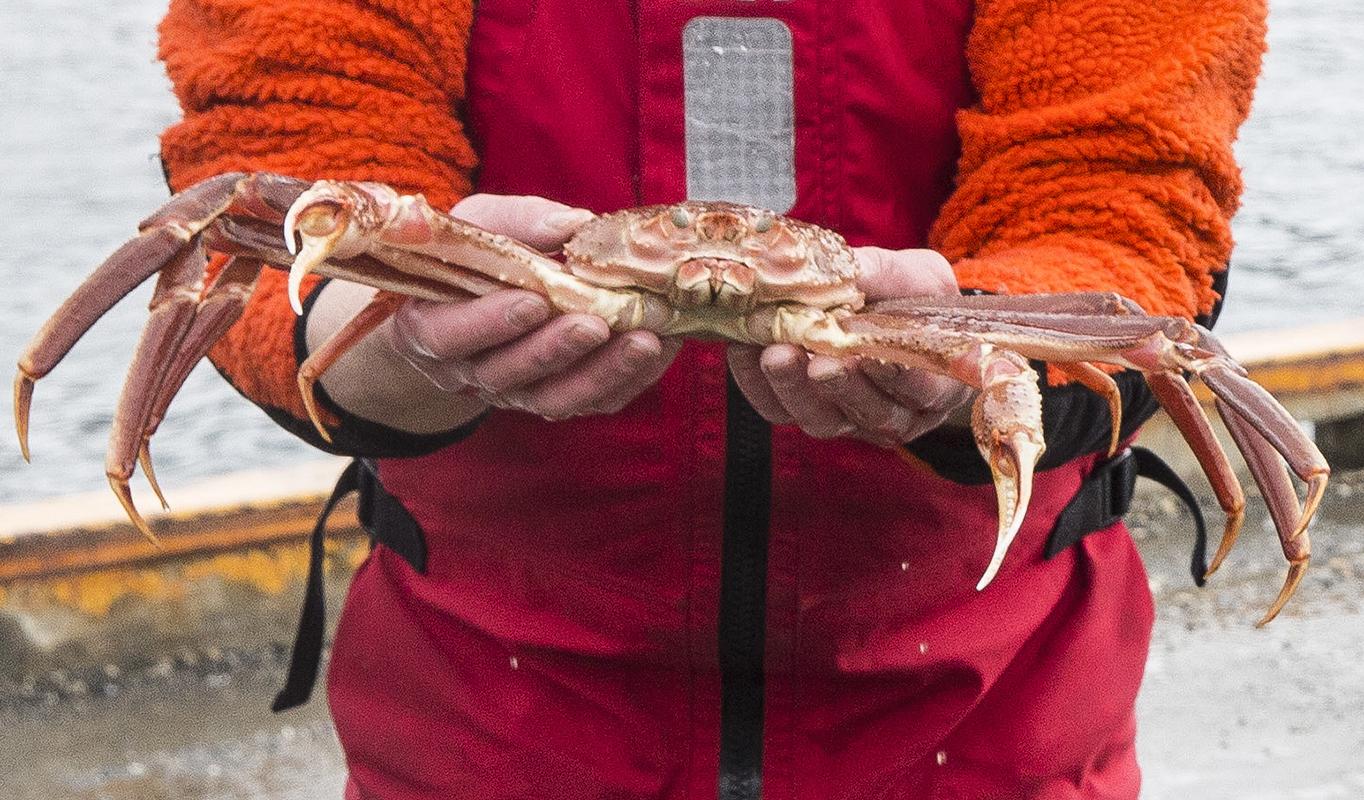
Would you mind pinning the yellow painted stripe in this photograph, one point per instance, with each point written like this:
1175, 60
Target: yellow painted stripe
66, 551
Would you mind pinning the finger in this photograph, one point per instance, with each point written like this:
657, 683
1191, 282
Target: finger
886, 274
879, 416
539, 222
455, 331
551, 349
629, 390
917, 389
619, 364
748, 374
786, 368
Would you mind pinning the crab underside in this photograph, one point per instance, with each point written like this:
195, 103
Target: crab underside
694, 268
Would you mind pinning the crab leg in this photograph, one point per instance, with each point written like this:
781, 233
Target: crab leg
1275, 426
1006, 417
338, 221
172, 307
164, 235
1277, 488
1178, 400
163, 239
1102, 384
1104, 304
221, 306
374, 314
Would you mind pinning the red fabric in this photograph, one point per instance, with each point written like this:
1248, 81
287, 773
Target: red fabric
563, 642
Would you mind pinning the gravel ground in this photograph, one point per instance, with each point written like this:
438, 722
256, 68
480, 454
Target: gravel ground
1227, 711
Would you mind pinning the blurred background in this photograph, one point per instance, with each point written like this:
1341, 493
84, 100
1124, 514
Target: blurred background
1227, 712
84, 101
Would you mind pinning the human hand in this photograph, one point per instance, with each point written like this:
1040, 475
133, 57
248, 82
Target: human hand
828, 397
506, 350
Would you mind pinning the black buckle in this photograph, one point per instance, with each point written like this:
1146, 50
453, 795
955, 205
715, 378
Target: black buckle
1122, 483
1106, 495
1102, 499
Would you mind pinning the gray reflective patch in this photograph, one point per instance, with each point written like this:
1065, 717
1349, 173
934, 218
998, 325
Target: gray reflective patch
739, 103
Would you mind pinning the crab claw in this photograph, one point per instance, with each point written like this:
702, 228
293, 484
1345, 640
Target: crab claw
1011, 465
1007, 420
321, 224
312, 232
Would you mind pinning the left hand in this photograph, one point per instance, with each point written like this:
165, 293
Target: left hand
828, 397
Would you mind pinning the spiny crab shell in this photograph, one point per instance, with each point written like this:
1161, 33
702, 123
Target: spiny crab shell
714, 254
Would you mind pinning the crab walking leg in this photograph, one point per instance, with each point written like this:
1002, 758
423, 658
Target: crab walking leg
1102, 304
173, 305
221, 306
1006, 418
1102, 384
342, 220
1277, 427
1178, 400
130, 265
1257, 408
374, 314
164, 235
1274, 482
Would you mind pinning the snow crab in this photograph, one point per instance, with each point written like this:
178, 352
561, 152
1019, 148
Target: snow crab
695, 268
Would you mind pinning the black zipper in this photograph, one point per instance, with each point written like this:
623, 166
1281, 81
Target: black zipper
743, 597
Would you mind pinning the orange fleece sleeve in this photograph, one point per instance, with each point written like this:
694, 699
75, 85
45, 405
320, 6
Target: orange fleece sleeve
344, 89
1098, 156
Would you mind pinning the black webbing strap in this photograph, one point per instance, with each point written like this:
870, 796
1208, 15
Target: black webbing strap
1106, 495
386, 521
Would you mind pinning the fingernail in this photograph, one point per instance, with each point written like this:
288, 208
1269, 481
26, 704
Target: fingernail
639, 350
827, 371
561, 223
584, 336
779, 368
528, 312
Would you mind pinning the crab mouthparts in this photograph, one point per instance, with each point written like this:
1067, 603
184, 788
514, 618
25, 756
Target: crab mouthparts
715, 282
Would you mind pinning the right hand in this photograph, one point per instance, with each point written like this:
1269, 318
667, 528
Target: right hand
507, 350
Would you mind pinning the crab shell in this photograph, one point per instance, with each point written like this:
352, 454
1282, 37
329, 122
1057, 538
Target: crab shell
716, 259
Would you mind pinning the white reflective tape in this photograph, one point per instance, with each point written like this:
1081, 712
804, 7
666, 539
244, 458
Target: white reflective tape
740, 111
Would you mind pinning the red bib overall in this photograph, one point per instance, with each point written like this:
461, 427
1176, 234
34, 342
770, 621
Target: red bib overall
675, 602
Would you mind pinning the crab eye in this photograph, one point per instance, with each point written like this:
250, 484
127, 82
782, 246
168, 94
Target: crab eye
681, 218
764, 224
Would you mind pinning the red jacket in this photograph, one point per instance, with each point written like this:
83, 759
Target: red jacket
675, 601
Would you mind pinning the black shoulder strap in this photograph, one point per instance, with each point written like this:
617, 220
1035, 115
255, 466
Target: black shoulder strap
383, 516
1105, 497
307, 652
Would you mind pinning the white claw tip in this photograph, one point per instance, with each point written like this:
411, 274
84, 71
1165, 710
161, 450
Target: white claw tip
1006, 538
989, 575
291, 230
296, 287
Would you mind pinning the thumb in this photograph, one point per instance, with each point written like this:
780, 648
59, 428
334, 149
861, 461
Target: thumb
538, 221
888, 274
